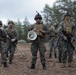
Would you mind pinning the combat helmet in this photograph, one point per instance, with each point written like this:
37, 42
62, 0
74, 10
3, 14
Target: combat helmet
38, 16
67, 14
10, 21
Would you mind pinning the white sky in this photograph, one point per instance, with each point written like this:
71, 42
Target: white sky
18, 9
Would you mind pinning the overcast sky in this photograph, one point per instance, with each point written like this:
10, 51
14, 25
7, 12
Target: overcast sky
14, 9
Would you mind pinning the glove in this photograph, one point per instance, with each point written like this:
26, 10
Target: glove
12, 40
65, 38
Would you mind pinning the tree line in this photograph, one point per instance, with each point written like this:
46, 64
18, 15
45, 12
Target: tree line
51, 15
55, 13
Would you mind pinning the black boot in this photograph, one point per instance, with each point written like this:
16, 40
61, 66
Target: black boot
32, 66
5, 64
7, 55
44, 66
60, 60
55, 55
10, 61
49, 55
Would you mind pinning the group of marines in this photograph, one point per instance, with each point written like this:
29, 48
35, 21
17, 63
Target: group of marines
61, 37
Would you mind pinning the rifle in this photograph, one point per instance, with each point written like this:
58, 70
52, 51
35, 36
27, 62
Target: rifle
69, 39
13, 42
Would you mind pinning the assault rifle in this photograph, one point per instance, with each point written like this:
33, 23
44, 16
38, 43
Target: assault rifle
69, 39
10, 39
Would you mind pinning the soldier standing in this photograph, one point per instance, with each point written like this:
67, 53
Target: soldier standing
59, 45
53, 40
12, 36
38, 44
3, 39
67, 29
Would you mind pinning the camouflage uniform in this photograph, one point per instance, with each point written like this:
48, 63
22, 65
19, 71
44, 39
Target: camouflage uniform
36, 45
53, 42
66, 45
3, 40
11, 45
59, 50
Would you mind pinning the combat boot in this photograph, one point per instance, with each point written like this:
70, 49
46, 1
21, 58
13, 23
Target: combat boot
10, 61
44, 66
50, 55
59, 60
55, 55
32, 66
5, 64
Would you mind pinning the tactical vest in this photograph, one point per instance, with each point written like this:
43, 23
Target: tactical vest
11, 33
67, 30
52, 32
37, 28
67, 27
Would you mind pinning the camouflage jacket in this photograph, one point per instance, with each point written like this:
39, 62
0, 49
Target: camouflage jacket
3, 35
44, 27
12, 33
70, 36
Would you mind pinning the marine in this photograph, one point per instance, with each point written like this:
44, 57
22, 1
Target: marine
12, 38
67, 36
3, 39
38, 43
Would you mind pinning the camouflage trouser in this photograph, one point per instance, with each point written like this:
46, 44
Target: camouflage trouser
3, 52
34, 49
59, 53
67, 52
53, 44
10, 48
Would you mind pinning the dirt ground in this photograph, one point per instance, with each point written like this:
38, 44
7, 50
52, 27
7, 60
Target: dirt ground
22, 60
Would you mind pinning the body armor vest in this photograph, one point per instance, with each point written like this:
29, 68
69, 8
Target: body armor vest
67, 27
